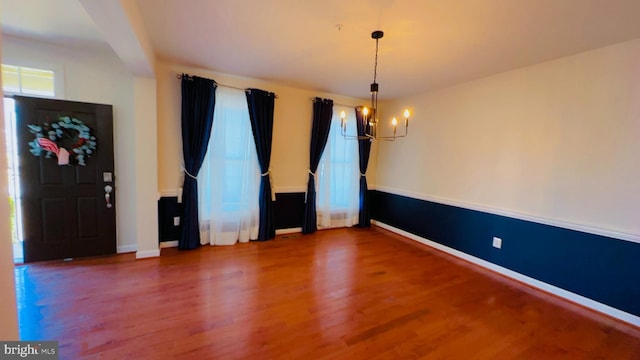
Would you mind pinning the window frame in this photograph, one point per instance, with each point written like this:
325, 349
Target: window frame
58, 80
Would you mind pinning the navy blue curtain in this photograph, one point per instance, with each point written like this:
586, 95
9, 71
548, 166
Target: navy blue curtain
322, 113
261, 105
198, 101
364, 148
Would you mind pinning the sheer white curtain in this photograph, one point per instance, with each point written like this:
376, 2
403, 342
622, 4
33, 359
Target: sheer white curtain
229, 179
338, 175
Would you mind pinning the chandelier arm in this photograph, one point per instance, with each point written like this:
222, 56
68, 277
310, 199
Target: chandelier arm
355, 137
392, 138
371, 137
406, 132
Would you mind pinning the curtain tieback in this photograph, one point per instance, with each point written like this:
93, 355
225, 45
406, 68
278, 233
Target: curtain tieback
180, 189
361, 174
188, 173
315, 182
268, 173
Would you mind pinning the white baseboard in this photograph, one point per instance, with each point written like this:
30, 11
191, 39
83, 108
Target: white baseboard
288, 231
147, 254
127, 249
171, 244
168, 244
573, 297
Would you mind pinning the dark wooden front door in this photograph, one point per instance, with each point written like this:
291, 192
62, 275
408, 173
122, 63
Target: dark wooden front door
65, 212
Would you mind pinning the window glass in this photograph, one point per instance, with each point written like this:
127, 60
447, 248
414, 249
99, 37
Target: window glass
10, 79
229, 179
338, 175
29, 81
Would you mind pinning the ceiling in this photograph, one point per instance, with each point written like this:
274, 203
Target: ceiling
327, 46
33, 19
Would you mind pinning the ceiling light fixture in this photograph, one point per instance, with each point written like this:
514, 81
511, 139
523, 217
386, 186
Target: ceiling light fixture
370, 116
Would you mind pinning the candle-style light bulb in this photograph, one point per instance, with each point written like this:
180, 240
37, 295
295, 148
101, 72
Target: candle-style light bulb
394, 122
343, 115
406, 118
365, 111
342, 120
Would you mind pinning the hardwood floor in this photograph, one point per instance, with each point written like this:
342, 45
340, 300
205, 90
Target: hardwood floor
337, 294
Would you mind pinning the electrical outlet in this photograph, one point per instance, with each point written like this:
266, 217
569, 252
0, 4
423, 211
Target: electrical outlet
497, 242
176, 220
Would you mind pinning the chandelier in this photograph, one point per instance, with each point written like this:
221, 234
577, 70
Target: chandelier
370, 115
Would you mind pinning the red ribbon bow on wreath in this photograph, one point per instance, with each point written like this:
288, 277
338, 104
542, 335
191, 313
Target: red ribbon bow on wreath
61, 153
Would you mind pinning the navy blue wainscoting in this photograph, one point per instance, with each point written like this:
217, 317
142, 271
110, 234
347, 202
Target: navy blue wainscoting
289, 210
601, 268
168, 208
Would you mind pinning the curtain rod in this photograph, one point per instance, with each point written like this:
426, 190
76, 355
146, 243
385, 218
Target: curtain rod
335, 103
179, 77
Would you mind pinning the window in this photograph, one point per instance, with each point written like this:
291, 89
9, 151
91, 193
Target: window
338, 175
27, 81
229, 180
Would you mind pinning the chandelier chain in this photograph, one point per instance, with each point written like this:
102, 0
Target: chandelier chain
375, 65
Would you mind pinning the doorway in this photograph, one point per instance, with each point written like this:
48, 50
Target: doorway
61, 181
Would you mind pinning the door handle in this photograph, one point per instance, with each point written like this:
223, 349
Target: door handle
107, 195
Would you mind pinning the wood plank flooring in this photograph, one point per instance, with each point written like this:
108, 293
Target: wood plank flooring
337, 294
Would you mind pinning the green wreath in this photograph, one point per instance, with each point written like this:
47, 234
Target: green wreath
69, 139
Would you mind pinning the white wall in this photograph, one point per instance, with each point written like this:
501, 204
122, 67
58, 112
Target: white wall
8, 309
98, 76
146, 193
559, 140
291, 129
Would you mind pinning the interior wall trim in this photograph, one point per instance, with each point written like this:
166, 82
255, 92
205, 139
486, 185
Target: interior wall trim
169, 244
174, 243
121, 249
288, 231
168, 193
147, 254
290, 189
570, 296
516, 215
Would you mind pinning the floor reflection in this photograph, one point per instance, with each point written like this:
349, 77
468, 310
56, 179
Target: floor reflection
30, 315
333, 281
